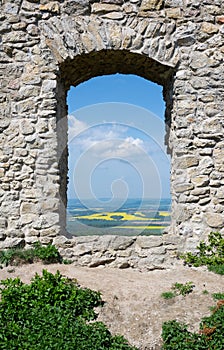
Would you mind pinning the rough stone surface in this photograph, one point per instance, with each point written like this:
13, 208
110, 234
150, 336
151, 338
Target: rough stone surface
45, 47
150, 5
142, 253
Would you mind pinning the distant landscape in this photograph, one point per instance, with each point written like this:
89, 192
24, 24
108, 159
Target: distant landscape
134, 217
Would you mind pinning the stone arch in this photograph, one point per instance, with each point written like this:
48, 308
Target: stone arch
41, 41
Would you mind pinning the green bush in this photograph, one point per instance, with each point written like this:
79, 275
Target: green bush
178, 289
168, 295
210, 254
176, 336
183, 288
218, 296
52, 313
48, 254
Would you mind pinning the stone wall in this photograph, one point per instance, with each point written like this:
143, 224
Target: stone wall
47, 46
144, 253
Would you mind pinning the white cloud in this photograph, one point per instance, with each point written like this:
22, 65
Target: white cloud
104, 140
76, 127
128, 148
91, 145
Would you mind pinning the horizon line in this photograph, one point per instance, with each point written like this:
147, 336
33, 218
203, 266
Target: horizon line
108, 198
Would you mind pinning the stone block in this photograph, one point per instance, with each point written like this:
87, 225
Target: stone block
50, 204
32, 239
199, 60
48, 85
13, 243
67, 253
28, 218
173, 13
173, 240
209, 28
62, 242
46, 221
52, 6
101, 261
186, 162
158, 251
84, 260
212, 124
76, 7
220, 19
200, 191
129, 8
151, 263
214, 220
123, 264
182, 213
27, 208
27, 127
201, 180
204, 201
125, 253
151, 5
46, 240
114, 15
50, 232
183, 188
121, 242
147, 242
30, 232
82, 249
103, 243
206, 163
88, 42
104, 8
220, 192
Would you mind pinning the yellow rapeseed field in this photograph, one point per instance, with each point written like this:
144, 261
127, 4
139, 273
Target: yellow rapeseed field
164, 213
143, 227
112, 216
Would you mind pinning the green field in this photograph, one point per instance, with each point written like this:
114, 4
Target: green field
118, 223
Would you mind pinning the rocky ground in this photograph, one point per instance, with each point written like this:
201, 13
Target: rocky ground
133, 303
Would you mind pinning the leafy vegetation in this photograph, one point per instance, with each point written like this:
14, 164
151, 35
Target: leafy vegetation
183, 289
168, 295
52, 313
205, 292
48, 254
210, 336
179, 289
210, 254
218, 296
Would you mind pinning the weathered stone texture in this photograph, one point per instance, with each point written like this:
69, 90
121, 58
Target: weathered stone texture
143, 253
47, 46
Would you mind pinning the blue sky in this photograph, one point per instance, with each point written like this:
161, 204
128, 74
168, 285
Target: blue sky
116, 139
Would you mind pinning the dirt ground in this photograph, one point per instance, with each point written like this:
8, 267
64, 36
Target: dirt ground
133, 303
